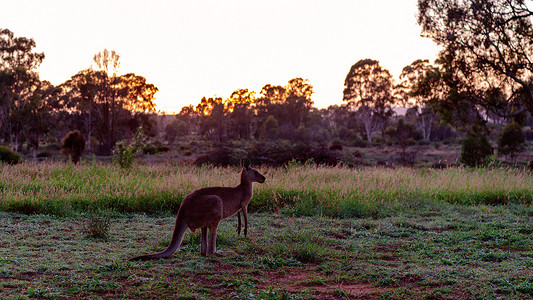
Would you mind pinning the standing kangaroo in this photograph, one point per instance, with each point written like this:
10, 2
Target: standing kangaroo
205, 208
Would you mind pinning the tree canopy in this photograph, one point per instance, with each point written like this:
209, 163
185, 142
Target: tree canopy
486, 51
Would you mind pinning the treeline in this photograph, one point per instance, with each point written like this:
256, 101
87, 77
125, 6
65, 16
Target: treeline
105, 107
480, 84
482, 76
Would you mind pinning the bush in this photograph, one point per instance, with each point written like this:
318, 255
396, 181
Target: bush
358, 142
475, 149
150, 149
51, 147
8, 156
73, 145
123, 155
155, 149
44, 154
98, 224
222, 157
511, 140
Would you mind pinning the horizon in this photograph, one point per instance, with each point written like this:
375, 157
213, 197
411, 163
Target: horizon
195, 50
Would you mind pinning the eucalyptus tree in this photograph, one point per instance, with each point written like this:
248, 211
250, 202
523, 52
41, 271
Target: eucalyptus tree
19, 84
368, 90
417, 91
486, 52
109, 104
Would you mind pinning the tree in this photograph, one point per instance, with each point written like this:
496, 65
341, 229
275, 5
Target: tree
269, 129
270, 103
80, 95
18, 83
213, 114
174, 128
191, 118
107, 62
240, 117
368, 89
405, 135
486, 49
36, 114
511, 140
417, 92
475, 149
109, 104
298, 100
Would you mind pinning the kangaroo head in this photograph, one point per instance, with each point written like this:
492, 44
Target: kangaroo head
251, 175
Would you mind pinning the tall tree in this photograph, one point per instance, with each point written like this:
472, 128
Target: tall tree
108, 62
80, 95
368, 89
487, 48
298, 101
240, 104
415, 93
18, 83
109, 105
213, 115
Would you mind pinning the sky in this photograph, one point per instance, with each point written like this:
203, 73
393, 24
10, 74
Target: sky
196, 48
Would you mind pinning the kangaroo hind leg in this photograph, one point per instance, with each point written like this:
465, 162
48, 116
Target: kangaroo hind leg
238, 223
203, 243
212, 242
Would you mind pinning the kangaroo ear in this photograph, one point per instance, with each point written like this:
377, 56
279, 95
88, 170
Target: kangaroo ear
245, 162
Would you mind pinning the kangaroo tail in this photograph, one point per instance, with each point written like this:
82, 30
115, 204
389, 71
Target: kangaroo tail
177, 237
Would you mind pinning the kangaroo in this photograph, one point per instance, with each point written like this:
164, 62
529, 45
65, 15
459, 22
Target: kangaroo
205, 208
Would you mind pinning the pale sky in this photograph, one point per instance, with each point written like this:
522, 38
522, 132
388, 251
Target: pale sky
196, 48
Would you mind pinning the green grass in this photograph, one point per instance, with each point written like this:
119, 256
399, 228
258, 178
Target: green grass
316, 232
301, 190
441, 251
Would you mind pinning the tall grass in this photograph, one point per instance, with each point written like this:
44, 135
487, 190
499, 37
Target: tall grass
62, 189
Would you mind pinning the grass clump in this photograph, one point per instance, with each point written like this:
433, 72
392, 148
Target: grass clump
98, 224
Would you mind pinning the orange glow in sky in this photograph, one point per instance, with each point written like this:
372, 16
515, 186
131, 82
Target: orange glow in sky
192, 49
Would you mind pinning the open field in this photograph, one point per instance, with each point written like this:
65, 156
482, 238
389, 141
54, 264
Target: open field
63, 189
440, 251
317, 232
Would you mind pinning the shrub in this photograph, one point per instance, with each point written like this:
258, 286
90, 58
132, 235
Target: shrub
155, 149
475, 149
123, 155
44, 154
73, 145
163, 148
511, 140
358, 142
8, 156
98, 224
222, 157
150, 149
51, 147
335, 147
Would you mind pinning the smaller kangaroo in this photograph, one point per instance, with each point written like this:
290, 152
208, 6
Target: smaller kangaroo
205, 208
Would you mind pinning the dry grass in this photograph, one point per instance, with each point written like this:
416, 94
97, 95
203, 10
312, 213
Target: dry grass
61, 189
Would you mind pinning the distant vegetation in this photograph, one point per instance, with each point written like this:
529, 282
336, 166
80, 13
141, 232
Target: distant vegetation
479, 85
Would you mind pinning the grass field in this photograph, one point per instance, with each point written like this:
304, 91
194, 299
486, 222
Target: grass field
326, 233
64, 189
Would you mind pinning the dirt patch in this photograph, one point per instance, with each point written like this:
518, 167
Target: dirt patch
321, 287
